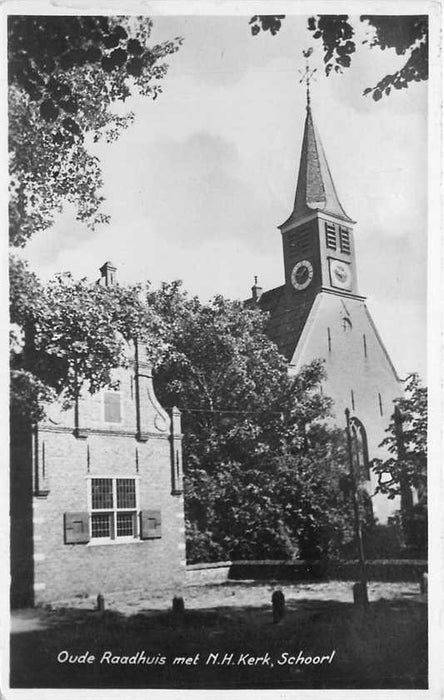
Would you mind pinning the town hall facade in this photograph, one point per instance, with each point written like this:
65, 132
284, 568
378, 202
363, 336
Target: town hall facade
96, 492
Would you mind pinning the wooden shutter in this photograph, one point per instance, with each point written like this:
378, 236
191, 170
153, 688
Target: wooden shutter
150, 524
76, 528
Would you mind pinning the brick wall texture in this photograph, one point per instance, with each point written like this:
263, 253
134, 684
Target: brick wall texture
52, 477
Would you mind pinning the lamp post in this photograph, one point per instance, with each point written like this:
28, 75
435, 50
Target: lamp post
358, 532
406, 494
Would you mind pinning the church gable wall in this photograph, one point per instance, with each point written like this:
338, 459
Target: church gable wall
360, 376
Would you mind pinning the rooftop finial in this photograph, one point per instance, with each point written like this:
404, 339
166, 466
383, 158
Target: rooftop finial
308, 73
256, 291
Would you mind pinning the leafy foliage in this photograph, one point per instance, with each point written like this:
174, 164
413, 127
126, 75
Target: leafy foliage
407, 34
263, 476
268, 23
74, 334
65, 74
412, 466
407, 468
280, 507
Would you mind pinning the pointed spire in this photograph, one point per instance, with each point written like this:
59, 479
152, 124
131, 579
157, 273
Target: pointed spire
315, 189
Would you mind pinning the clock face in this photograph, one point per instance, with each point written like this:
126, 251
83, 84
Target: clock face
340, 274
302, 274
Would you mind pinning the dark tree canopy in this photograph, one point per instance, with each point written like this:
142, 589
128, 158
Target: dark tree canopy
65, 73
264, 477
407, 34
70, 334
412, 464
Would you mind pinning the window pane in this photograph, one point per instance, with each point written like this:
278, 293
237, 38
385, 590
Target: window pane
125, 524
126, 493
101, 525
112, 407
102, 493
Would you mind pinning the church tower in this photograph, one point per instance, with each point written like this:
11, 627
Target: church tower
319, 313
318, 236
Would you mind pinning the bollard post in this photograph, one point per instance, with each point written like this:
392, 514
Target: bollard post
359, 594
278, 605
178, 606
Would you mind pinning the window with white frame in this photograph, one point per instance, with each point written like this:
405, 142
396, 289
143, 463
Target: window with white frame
114, 507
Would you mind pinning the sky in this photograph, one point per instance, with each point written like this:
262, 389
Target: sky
198, 184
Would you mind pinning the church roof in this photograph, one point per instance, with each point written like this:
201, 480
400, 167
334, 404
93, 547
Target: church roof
286, 319
315, 189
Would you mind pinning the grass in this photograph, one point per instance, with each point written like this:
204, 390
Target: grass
385, 647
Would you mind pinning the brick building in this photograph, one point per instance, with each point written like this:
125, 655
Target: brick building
319, 313
96, 493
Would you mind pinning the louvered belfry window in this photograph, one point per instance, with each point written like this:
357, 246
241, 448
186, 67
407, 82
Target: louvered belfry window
344, 235
330, 236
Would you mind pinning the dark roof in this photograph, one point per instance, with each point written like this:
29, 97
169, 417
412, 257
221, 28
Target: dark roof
288, 314
315, 189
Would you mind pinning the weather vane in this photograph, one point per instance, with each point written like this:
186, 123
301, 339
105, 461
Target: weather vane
308, 73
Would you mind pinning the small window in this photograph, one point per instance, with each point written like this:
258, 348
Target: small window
112, 407
359, 448
113, 508
346, 324
344, 238
330, 236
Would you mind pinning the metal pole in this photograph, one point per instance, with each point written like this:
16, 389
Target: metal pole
406, 494
358, 531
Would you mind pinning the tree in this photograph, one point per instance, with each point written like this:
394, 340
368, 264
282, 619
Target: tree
407, 34
71, 334
412, 465
263, 475
285, 506
406, 469
65, 73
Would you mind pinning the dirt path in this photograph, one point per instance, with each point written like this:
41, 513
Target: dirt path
233, 594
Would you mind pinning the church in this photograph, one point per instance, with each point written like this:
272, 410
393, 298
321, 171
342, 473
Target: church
319, 312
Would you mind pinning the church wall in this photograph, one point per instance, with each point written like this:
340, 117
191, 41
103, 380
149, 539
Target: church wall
359, 374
